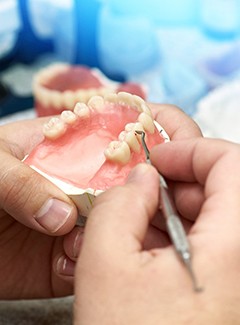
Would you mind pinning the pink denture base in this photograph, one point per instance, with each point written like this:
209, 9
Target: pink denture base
77, 157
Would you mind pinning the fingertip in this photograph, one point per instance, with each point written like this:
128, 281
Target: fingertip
122, 212
142, 173
72, 242
64, 267
175, 121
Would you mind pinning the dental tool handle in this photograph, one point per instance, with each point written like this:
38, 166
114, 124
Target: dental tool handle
176, 231
174, 224
178, 236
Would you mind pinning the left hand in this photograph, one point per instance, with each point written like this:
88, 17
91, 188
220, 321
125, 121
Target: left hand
37, 262
34, 217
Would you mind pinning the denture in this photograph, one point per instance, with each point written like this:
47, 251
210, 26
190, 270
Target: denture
94, 147
60, 86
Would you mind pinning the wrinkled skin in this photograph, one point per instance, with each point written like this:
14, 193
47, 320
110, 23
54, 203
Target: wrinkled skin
37, 262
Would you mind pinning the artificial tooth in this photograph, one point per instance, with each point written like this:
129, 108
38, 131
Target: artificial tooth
56, 99
54, 128
81, 96
96, 103
132, 141
68, 117
134, 127
122, 135
118, 151
103, 91
139, 127
91, 92
82, 110
129, 127
138, 99
146, 109
137, 102
125, 98
43, 96
69, 99
112, 98
147, 122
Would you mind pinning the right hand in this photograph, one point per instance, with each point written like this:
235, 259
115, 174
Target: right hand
118, 279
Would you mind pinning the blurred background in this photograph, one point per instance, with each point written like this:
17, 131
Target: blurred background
186, 52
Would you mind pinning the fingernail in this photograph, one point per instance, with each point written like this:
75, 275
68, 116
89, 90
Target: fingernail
53, 214
78, 243
65, 266
138, 172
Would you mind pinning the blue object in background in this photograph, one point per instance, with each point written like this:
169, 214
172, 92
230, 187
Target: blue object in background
87, 23
183, 85
29, 46
65, 33
128, 40
127, 44
168, 13
10, 24
220, 18
222, 67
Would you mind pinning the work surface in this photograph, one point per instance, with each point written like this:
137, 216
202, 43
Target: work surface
32, 312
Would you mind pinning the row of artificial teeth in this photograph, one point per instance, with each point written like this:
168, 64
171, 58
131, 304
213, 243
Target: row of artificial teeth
57, 126
120, 151
124, 98
67, 98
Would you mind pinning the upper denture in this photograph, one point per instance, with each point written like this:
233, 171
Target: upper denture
60, 86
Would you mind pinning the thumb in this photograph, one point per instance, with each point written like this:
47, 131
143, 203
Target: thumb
120, 217
33, 200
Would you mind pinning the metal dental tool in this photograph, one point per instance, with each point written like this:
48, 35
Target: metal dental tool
174, 226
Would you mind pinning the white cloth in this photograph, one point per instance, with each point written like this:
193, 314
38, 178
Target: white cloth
218, 114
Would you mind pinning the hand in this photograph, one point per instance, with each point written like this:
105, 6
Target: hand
117, 281
34, 216
24, 237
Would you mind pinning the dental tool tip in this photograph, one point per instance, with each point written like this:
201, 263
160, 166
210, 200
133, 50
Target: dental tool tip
196, 287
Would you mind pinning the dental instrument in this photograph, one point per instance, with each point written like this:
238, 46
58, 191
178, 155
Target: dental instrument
174, 225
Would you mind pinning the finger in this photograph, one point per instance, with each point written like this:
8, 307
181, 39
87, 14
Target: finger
212, 163
188, 198
22, 136
64, 268
32, 200
191, 160
72, 242
176, 123
119, 220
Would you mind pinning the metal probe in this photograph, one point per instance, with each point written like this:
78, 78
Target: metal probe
174, 225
